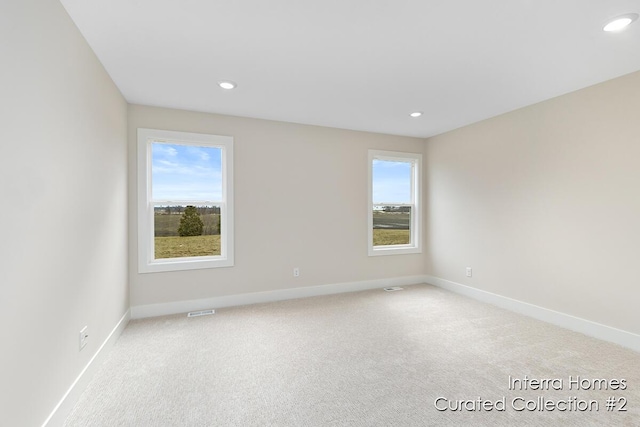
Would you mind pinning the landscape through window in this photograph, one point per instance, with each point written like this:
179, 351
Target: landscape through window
392, 202
185, 201
186, 193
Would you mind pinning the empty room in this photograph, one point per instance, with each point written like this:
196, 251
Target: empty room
320, 213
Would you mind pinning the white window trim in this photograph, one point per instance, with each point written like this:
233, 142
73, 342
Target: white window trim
415, 246
146, 263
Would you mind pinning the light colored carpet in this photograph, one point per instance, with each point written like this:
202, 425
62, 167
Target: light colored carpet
369, 358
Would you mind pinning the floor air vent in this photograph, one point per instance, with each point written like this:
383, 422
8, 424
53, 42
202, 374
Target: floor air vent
200, 313
393, 289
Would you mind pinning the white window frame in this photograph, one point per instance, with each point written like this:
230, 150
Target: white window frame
146, 261
415, 245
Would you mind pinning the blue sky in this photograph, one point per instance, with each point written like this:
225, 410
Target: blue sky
186, 172
391, 182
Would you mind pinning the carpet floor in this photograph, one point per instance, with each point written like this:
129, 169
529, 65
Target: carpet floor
370, 358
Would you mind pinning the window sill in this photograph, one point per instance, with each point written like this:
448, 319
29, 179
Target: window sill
393, 250
195, 263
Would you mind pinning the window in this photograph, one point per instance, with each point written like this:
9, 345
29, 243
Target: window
185, 201
394, 202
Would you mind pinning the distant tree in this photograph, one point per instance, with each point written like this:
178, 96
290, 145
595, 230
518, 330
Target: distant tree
190, 223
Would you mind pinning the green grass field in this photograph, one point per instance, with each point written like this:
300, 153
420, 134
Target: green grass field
169, 245
178, 247
384, 237
391, 220
391, 228
167, 225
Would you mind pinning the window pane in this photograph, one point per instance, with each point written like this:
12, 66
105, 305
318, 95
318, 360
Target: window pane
391, 182
185, 172
186, 231
391, 225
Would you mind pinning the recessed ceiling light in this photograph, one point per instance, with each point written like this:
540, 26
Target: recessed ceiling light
620, 22
227, 84
416, 114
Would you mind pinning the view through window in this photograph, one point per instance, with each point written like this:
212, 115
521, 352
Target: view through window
392, 202
394, 216
186, 196
185, 201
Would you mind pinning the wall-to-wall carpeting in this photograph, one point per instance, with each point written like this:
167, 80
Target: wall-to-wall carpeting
369, 358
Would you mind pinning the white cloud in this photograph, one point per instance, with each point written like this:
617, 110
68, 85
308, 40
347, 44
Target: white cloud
164, 150
166, 167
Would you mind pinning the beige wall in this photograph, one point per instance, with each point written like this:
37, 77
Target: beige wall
63, 183
544, 204
300, 201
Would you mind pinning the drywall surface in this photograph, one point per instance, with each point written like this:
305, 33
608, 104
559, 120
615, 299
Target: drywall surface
300, 201
63, 182
544, 204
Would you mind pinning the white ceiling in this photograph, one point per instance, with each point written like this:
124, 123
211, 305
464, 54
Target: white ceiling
357, 64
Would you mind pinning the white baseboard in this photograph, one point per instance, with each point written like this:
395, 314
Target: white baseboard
68, 401
587, 327
577, 324
153, 310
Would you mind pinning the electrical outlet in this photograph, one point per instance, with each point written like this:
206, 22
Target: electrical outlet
468, 271
84, 336
296, 272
